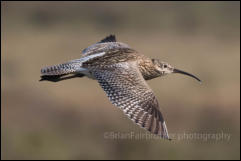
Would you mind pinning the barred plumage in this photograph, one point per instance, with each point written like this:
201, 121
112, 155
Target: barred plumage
60, 69
127, 89
121, 71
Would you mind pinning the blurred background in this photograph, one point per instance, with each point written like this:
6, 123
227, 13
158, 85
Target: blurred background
69, 119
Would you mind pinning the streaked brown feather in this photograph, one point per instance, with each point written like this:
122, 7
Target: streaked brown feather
127, 89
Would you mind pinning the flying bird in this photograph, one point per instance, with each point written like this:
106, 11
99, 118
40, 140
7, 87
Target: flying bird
122, 72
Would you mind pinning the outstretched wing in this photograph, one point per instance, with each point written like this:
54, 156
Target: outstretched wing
127, 89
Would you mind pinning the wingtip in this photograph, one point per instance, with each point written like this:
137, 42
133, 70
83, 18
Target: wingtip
110, 38
165, 132
169, 139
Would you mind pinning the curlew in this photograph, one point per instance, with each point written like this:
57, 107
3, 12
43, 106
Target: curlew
122, 73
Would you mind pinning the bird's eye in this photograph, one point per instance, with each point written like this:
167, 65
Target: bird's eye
165, 66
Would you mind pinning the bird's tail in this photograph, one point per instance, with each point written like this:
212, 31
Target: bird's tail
53, 73
60, 69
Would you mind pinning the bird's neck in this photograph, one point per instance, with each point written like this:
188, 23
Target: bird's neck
147, 69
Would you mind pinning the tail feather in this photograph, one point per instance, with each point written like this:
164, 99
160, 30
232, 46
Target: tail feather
60, 69
58, 72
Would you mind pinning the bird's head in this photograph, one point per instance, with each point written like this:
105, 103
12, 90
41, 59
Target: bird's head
165, 68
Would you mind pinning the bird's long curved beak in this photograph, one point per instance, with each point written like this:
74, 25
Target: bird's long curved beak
185, 73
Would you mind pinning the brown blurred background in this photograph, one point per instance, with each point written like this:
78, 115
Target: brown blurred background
68, 120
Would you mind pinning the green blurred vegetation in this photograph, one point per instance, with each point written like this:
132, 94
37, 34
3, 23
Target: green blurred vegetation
68, 120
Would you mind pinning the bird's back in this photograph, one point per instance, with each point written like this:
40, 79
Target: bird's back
108, 51
106, 44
